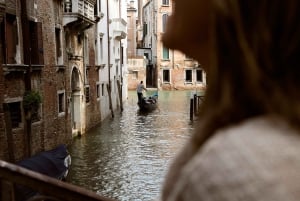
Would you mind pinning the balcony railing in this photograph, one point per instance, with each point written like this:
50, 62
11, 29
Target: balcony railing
78, 10
47, 188
83, 7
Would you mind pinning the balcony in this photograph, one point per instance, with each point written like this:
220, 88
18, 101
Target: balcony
79, 14
118, 28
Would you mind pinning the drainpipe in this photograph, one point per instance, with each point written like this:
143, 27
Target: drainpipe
108, 62
121, 63
4, 107
121, 75
26, 49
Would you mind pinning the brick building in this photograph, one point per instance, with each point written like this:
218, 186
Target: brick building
48, 50
140, 58
173, 69
2, 131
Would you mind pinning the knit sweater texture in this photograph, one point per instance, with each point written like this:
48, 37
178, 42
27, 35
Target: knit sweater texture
256, 160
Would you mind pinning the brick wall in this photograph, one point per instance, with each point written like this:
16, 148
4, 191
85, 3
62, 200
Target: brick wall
55, 128
3, 145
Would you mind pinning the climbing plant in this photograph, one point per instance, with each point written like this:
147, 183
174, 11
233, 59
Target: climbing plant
32, 100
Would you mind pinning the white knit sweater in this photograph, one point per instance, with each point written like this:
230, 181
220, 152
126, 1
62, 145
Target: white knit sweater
257, 160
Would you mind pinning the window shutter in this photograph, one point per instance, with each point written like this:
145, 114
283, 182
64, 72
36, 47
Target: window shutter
40, 43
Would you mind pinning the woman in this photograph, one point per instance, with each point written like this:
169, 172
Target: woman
247, 144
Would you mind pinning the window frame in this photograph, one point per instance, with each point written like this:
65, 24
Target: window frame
166, 81
202, 76
165, 2
188, 73
16, 120
165, 53
58, 46
164, 21
61, 102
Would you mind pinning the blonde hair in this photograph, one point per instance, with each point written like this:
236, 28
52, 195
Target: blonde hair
255, 64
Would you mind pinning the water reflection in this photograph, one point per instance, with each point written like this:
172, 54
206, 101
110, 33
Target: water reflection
126, 158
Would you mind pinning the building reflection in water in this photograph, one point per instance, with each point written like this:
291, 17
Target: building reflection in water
126, 158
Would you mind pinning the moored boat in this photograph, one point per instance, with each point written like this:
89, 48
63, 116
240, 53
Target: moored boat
54, 163
148, 103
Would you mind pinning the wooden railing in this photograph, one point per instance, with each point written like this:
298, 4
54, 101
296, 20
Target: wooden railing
47, 188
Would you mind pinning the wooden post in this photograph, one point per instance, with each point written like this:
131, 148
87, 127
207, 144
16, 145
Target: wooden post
120, 94
191, 109
195, 104
27, 81
110, 100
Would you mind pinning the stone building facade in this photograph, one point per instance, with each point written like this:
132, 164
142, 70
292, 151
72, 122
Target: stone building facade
141, 61
49, 51
174, 70
136, 64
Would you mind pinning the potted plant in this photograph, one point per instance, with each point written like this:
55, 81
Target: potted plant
32, 101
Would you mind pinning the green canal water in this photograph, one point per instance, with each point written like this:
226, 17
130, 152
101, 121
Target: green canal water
126, 158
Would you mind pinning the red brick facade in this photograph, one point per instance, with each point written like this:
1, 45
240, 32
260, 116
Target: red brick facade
51, 77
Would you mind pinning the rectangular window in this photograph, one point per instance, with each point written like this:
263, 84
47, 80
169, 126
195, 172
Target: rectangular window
101, 49
87, 94
145, 29
58, 47
122, 55
98, 90
10, 38
188, 76
86, 50
166, 53
61, 102
164, 22
15, 114
199, 75
165, 2
102, 89
166, 76
36, 43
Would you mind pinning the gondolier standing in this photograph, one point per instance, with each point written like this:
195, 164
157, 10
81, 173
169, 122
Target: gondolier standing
139, 90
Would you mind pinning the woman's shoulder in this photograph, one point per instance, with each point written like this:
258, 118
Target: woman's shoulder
254, 131
258, 158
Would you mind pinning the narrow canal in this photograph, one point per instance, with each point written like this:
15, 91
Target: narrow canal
126, 157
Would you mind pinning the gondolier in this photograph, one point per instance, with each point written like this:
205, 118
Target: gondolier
139, 90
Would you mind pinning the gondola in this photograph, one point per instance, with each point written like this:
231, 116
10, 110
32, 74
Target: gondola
148, 103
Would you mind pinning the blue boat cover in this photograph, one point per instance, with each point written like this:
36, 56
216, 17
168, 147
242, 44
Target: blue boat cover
53, 163
50, 163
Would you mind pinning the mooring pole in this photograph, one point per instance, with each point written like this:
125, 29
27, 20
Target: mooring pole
191, 109
195, 105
